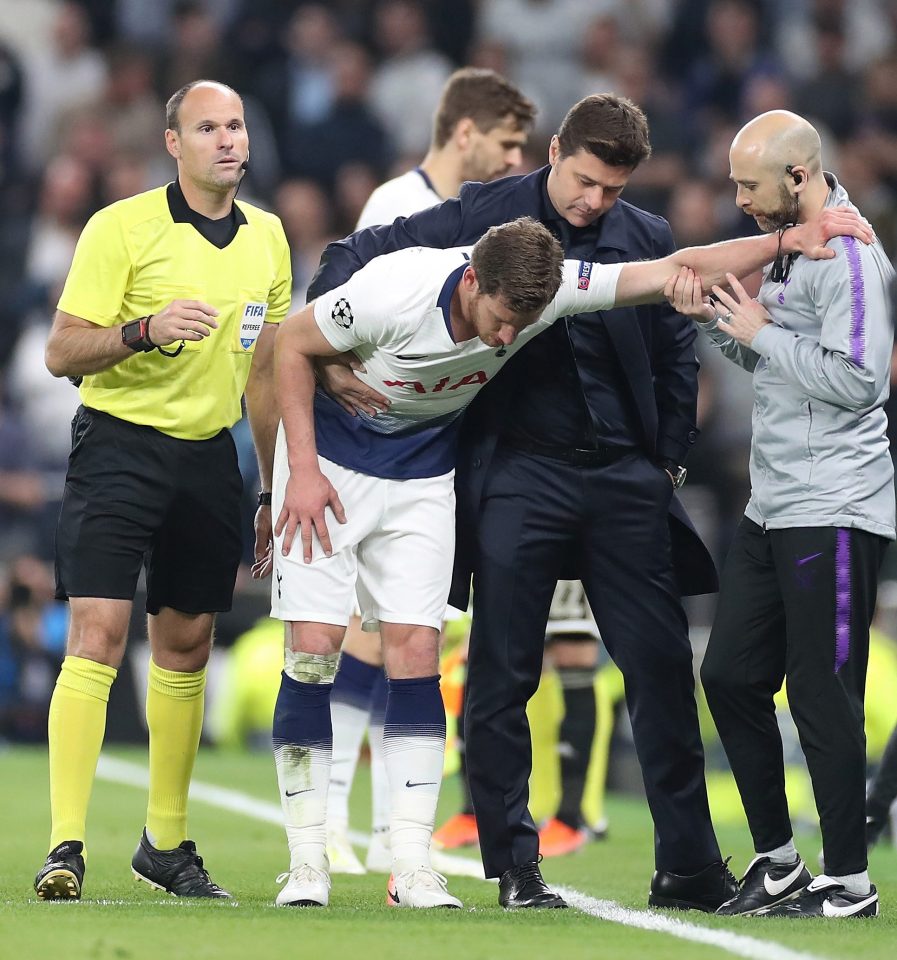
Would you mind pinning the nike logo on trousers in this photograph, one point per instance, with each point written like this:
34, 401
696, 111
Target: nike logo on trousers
804, 560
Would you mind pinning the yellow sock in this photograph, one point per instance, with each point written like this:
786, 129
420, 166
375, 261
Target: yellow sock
174, 708
75, 730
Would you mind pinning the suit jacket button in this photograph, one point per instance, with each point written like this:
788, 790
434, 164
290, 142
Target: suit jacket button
692, 436
477, 462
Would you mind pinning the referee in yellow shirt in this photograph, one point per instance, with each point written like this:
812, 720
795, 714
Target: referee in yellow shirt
168, 314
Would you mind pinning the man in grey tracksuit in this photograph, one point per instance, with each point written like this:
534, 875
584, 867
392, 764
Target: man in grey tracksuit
798, 590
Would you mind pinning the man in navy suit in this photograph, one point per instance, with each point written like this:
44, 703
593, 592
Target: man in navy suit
567, 469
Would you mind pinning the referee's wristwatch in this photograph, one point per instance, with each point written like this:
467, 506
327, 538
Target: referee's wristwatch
264, 499
677, 472
136, 335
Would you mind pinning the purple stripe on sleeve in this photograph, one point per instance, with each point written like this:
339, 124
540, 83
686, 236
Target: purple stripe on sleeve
842, 597
857, 301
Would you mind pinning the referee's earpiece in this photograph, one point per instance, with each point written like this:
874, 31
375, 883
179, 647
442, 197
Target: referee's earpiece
245, 164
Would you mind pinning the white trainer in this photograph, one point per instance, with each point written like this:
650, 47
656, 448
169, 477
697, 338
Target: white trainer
306, 886
379, 856
339, 850
422, 888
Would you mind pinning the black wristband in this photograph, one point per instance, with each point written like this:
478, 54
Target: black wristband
264, 499
155, 346
133, 335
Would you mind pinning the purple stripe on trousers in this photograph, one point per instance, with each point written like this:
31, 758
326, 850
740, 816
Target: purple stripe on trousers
842, 597
857, 301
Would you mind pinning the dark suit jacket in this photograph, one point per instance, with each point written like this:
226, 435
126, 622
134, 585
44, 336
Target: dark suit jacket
655, 345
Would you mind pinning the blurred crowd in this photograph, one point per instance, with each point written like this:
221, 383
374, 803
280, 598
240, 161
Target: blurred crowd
339, 96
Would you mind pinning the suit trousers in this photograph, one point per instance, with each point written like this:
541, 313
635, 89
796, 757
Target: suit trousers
796, 603
539, 518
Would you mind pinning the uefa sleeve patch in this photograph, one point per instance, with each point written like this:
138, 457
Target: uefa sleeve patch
585, 274
341, 314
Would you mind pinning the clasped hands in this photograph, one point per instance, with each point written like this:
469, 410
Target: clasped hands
740, 316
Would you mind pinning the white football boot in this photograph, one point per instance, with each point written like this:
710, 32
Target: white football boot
422, 888
306, 886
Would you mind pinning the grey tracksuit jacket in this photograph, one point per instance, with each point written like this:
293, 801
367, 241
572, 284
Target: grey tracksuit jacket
819, 451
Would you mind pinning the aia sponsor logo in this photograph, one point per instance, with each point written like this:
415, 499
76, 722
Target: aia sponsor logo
467, 380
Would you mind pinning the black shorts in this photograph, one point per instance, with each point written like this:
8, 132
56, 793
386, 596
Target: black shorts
134, 496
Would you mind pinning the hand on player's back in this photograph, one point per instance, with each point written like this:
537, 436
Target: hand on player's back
337, 376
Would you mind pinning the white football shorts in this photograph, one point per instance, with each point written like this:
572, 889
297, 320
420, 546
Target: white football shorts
395, 551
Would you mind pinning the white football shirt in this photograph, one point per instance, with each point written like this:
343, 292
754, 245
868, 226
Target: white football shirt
394, 314
399, 197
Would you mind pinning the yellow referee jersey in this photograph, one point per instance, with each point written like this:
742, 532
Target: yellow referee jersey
136, 256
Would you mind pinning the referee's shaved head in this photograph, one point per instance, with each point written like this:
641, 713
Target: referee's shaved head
173, 107
778, 139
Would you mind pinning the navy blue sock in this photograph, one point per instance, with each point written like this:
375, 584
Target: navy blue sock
303, 744
414, 748
355, 681
414, 708
302, 714
379, 696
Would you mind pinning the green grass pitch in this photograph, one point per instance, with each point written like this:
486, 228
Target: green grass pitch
122, 920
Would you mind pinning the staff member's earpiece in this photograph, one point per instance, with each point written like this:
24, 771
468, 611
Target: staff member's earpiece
796, 177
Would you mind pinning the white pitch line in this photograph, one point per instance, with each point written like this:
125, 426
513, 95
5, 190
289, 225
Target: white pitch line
752, 948
737, 943
134, 775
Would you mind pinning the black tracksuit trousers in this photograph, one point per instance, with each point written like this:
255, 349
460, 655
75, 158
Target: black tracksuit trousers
795, 604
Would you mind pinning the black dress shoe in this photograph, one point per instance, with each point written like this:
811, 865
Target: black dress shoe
523, 886
705, 890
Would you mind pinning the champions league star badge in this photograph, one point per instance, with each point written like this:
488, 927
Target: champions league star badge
341, 314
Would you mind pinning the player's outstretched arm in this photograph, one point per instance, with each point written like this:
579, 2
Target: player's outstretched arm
308, 491
645, 282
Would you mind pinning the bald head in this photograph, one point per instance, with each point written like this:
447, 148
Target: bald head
207, 136
206, 90
776, 164
778, 139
